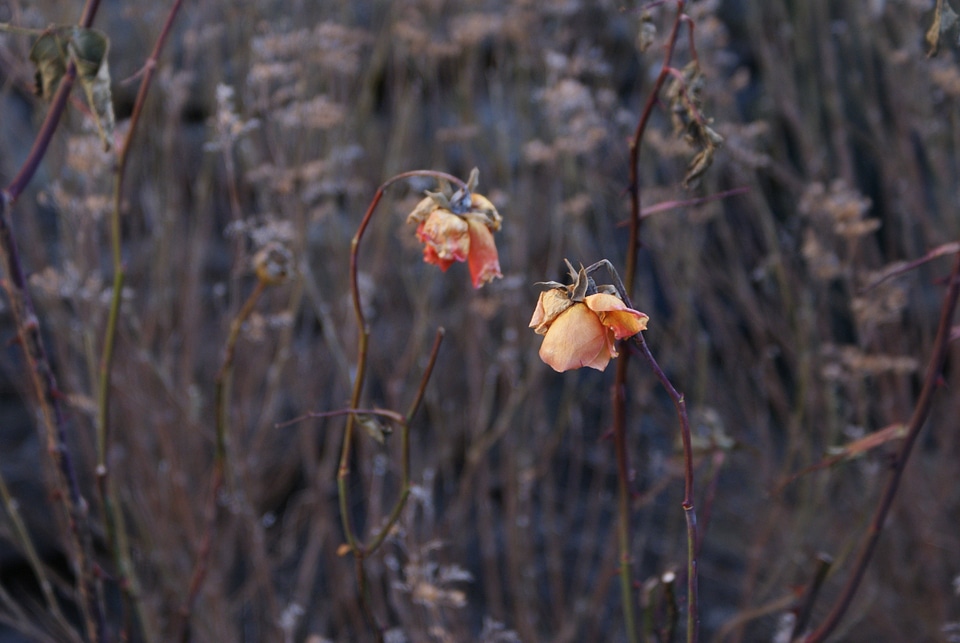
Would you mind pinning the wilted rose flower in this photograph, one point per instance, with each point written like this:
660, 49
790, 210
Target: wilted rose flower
581, 324
459, 227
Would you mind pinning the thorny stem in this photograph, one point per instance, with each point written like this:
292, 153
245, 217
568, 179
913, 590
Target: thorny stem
689, 513
634, 242
44, 382
623, 497
931, 381
620, 382
113, 514
221, 402
343, 472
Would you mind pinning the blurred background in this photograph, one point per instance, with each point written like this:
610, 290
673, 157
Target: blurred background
276, 121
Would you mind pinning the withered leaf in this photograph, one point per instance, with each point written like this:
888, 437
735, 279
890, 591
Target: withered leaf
87, 48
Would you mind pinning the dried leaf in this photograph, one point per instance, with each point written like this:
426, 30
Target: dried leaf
88, 48
48, 56
698, 166
944, 19
647, 33
374, 428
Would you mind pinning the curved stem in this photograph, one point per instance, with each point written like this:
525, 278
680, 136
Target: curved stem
343, 471
363, 341
931, 382
221, 412
394, 514
689, 512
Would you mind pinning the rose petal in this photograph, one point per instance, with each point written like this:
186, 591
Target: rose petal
483, 259
550, 304
446, 234
576, 338
614, 314
430, 256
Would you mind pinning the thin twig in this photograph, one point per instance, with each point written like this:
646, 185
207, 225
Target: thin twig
343, 472
620, 383
921, 411
221, 412
113, 514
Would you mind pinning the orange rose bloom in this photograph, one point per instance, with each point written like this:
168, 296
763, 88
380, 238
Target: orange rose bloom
582, 333
459, 227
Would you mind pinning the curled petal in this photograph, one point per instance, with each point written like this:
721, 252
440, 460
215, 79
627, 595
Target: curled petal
550, 304
482, 258
614, 314
430, 256
423, 210
445, 236
481, 205
576, 338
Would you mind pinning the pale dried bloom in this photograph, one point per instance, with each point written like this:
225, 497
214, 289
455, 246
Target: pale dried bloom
824, 263
227, 123
459, 226
471, 29
429, 583
882, 305
841, 208
317, 113
273, 263
843, 363
338, 48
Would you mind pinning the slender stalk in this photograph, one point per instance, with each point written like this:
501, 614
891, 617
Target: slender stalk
113, 514
623, 497
405, 449
362, 343
635, 218
921, 411
689, 512
343, 471
620, 382
22, 538
221, 411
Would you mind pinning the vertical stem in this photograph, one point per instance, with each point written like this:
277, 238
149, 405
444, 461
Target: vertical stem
48, 398
113, 513
619, 396
221, 412
634, 241
623, 497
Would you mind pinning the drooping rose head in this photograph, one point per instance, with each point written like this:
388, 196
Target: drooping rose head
459, 226
582, 323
